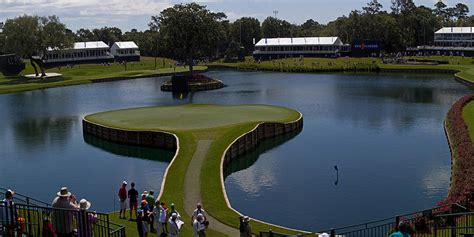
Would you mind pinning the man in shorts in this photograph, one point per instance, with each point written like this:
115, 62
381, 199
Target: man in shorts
122, 194
133, 198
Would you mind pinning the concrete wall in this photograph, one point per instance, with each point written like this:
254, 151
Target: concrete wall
140, 138
251, 139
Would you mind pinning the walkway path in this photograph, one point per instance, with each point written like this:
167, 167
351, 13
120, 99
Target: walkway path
192, 188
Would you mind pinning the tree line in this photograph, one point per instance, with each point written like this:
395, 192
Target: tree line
187, 31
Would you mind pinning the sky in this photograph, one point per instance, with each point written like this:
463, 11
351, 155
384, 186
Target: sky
135, 14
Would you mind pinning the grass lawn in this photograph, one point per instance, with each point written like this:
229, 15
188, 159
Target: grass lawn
464, 65
468, 115
86, 73
192, 123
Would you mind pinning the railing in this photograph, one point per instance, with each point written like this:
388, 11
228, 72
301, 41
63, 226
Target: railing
19, 198
32, 220
445, 221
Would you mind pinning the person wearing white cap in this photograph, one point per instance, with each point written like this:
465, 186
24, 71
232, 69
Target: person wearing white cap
174, 227
122, 194
63, 220
85, 219
199, 229
197, 211
8, 212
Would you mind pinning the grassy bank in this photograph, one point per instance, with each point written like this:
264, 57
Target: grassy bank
468, 115
191, 123
464, 65
87, 73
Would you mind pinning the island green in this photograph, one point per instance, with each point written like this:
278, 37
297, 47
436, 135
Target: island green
215, 126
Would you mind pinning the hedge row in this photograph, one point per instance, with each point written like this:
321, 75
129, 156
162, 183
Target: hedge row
462, 154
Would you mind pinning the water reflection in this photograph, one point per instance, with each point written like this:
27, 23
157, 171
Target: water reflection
247, 160
130, 151
36, 132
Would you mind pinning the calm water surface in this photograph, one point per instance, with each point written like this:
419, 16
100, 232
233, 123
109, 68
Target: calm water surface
384, 132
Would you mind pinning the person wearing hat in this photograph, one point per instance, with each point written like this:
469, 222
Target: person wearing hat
85, 219
199, 228
197, 211
63, 220
122, 194
8, 213
174, 227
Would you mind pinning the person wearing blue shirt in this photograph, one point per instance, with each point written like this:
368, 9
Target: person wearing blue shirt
403, 229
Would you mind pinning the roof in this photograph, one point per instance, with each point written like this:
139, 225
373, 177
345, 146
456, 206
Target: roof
299, 41
458, 30
86, 45
90, 45
126, 45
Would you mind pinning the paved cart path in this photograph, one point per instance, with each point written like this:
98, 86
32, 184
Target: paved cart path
192, 189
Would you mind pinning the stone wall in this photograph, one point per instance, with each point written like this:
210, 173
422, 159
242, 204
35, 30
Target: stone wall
130, 137
251, 139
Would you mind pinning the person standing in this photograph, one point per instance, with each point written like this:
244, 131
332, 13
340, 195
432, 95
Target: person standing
163, 215
156, 215
144, 216
199, 228
133, 199
403, 230
197, 211
85, 219
242, 226
174, 227
8, 214
65, 203
122, 194
150, 199
248, 228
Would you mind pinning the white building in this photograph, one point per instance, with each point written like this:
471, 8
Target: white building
274, 48
455, 37
81, 52
455, 41
125, 51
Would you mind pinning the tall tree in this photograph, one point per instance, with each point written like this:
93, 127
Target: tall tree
461, 11
190, 30
273, 28
440, 9
244, 31
85, 35
30, 36
373, 7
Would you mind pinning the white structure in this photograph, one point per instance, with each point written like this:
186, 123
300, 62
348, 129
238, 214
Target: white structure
125, 51
455, 37
81, 52
268, 48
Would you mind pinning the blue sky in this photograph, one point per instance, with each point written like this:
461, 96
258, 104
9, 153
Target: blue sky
128, 14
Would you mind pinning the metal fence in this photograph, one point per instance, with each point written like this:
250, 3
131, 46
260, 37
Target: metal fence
19, 198
33, 220
445, 221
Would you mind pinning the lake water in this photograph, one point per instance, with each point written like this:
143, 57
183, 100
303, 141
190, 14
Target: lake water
383, 131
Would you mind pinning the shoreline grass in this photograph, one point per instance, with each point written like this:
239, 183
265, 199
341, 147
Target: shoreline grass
88, 73
464, 65
223, 124
468, 116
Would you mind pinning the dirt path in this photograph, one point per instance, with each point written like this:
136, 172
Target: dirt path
192, 188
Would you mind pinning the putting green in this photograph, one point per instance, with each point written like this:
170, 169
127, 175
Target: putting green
191, 117
204, 132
